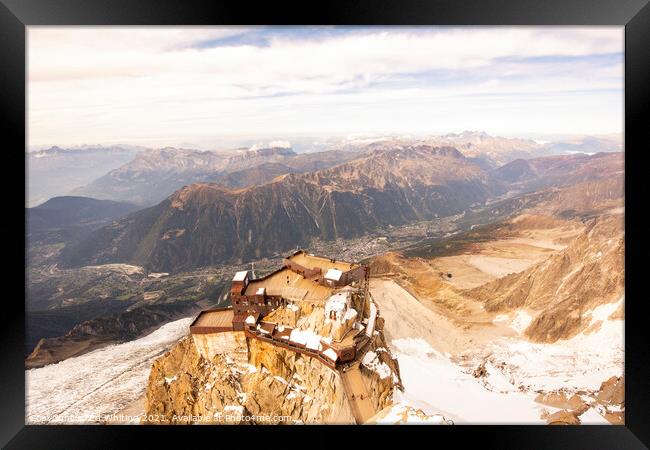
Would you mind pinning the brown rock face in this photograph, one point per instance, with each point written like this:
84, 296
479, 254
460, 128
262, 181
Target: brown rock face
232, 379
587, 273
612, 391
294, 385
173, 390
381, 389
608, 401
280, 387
615, 418
560, 400
563, 417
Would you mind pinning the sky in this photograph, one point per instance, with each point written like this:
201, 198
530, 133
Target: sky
159, 86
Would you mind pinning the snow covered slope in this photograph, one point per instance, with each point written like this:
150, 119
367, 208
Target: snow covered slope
437, 386
513, 371
87, 388
581, 363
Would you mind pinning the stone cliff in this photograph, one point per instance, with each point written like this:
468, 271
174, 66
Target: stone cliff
229, 378
561, 289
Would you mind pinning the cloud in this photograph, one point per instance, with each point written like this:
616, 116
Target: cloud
103, 83
271, 144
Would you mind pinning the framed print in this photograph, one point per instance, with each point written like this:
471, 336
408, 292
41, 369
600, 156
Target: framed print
409, 216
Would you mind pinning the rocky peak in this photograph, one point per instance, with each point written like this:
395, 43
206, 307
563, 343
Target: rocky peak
229, 378
563, 288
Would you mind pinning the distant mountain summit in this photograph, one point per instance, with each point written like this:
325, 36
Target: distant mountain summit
204, 223
468, 135
560, 170
153, 175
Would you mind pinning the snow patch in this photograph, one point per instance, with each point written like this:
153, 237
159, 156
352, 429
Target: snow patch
438, 386
602, 312
581, 363
402, 413
592, 417
372, 362
331, 354
350, 314
234, 409
307, 338
337, 304
521, 321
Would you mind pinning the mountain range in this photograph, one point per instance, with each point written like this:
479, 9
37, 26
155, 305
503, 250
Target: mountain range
204, 224
491, 152
147, 176
153, 175
506, 265
587, 273
560, 170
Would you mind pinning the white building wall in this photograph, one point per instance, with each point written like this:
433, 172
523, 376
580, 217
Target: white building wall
371, 320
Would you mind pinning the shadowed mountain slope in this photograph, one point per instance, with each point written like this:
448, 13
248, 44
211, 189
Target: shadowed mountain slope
205, 224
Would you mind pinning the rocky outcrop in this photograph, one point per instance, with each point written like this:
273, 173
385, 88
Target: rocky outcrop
611, 399
228, 378
608, 401
277, 386
401, 414
380, 371
589, 272
560, 400
294, 385
563, 417
612, 391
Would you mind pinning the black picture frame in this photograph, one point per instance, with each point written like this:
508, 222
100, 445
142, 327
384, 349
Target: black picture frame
15, 15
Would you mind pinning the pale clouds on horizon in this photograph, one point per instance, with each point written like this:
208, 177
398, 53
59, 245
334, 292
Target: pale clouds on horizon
168, 85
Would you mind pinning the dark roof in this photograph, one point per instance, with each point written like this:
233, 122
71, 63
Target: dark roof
268, 327
286, 331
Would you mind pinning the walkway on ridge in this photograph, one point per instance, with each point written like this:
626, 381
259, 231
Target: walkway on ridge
355, 388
